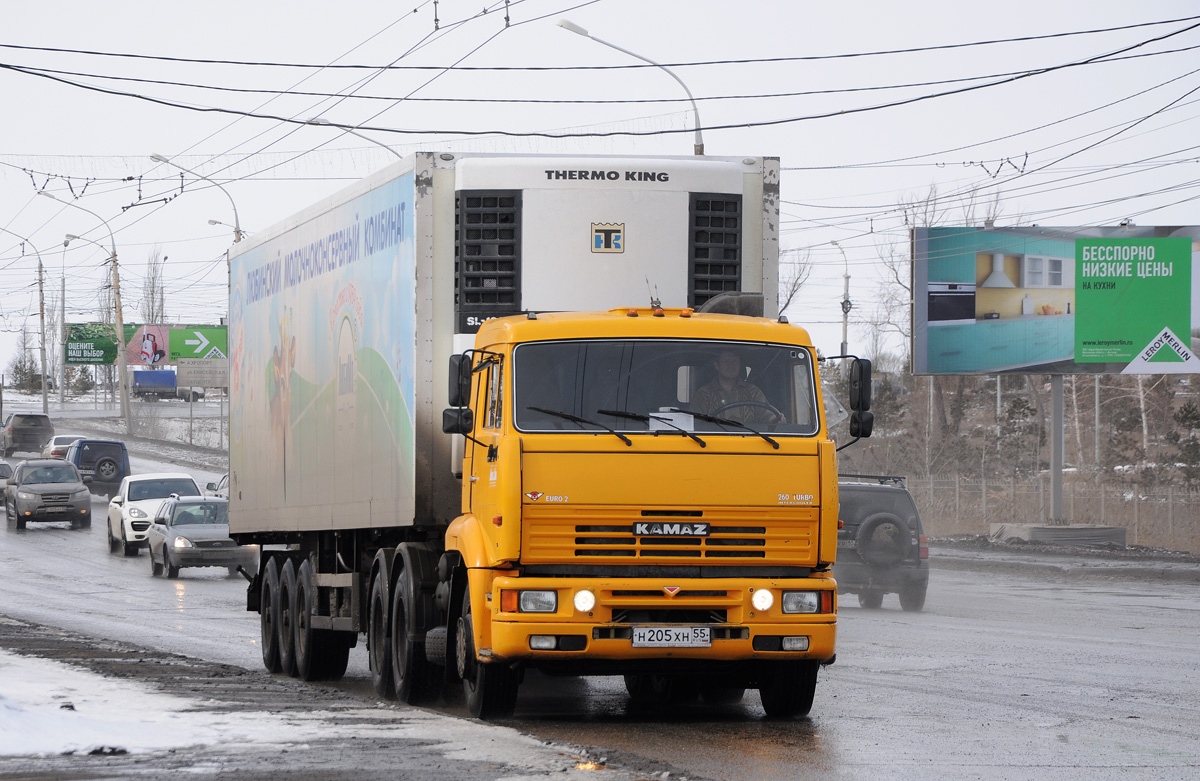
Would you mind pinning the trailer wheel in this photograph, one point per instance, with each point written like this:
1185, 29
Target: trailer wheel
787, 688
378, 645
268, 616
286, 619
490, 688
410, 669
316, 649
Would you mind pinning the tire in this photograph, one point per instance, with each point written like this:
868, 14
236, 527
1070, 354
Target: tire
638, 687
308, 643
412, 675
107, 470
168, 565
86, 523
490, 688
268, 616
912, 596
787, 688
286, 619
131, 550
871, 599
378, 641
883, 540
156, 569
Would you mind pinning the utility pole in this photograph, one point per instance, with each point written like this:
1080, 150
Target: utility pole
42, 336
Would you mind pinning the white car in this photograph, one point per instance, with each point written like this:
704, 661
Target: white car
58, 444
219, 488
135, 503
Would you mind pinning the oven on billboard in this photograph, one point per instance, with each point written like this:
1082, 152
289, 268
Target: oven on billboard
951, 303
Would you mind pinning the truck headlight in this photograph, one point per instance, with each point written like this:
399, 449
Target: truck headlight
762, 599
584, 600
183, 542
801, 602
538, 601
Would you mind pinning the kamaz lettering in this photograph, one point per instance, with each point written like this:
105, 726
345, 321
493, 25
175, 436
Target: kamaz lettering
670, 529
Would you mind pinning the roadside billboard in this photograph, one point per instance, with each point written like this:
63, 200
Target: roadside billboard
1056, 300
145, 345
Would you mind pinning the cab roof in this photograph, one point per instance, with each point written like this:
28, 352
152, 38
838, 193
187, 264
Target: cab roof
639, 322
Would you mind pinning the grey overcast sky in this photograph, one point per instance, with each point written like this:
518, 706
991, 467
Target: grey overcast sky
1068, 113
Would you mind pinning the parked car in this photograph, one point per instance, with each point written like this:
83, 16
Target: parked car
57, 446
219, 488
136, 502
882, 548
193, 531
106, 461
26, 432
47, 489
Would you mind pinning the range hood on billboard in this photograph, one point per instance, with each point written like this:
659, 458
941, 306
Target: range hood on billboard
997, 278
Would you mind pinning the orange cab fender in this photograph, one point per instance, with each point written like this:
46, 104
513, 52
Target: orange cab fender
465, 536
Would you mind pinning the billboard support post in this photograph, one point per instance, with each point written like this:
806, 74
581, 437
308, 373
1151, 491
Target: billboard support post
1057, 432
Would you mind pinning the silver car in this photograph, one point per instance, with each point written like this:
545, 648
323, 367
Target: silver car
193, 531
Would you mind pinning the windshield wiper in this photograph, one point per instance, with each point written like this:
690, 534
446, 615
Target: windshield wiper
577, 419
616, 413
727, 422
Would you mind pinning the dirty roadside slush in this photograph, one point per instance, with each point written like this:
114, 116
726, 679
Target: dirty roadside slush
236, 723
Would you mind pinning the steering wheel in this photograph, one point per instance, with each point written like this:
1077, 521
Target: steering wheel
759, 404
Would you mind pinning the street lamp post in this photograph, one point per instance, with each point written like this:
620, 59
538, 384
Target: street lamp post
353, 132
846, 305
699, 144
41, 317
122, 378
237, 226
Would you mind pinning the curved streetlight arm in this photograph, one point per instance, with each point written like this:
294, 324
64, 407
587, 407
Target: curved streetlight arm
237, 225
122, 367
571, 26
322, 121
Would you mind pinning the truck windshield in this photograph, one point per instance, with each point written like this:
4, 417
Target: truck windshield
646, 386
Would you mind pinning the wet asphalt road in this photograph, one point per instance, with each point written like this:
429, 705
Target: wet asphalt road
1006, 674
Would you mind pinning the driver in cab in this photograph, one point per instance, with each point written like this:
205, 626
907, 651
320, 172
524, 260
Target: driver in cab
730, 396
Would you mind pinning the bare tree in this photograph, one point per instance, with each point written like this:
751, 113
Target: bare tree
798, 265
153, 301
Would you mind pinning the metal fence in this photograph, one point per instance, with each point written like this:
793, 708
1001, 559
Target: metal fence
1165, 517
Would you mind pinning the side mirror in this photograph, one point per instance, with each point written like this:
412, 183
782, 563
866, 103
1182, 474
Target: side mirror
861, 424
860, 385
211, 487
87, 479
459, 420
460, 380
118, 501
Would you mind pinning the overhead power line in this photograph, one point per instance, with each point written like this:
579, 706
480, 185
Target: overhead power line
762, 60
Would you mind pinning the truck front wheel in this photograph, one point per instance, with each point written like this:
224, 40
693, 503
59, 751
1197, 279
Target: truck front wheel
490, 689
787, 688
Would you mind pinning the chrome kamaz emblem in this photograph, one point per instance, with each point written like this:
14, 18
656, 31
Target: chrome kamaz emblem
647, 529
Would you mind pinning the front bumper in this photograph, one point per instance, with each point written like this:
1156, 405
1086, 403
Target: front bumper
739, 632
50, 513
245, 556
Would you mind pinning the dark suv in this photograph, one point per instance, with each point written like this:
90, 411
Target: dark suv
27, 432
105, 461
882, 548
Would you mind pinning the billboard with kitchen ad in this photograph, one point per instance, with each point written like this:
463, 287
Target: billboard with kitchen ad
1036, 300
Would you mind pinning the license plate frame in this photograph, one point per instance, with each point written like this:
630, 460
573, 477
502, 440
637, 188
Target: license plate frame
672, 637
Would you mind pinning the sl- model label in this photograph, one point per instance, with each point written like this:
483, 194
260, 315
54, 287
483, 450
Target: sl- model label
649, 529
797, 498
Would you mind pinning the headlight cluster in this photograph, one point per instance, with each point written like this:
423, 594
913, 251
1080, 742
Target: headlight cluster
790, 601
183, 542
529, 601
137, 512
26, 495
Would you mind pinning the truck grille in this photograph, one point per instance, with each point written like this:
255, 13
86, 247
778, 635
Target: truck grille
604, 536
